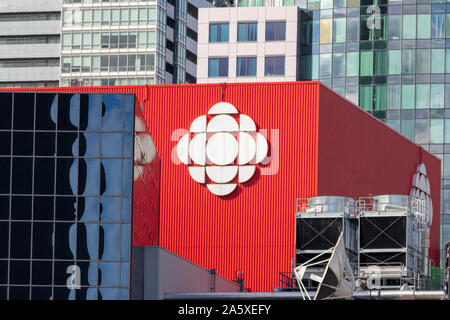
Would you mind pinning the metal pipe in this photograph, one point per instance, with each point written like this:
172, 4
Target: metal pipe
399, 295
235, 295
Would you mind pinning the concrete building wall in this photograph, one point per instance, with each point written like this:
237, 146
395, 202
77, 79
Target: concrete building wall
157, 271
260, 49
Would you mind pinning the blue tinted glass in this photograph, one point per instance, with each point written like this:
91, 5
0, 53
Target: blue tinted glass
128, 122
112, 120
113, 179
109, 293
223, 67
110, 209
279, 66
124, 274
242, 32
89, 178
280, 31
127, 178
126, 238
91, 240
91, 294
241, 67
94, 113
213, 68
213, 33
74, 109
252, 67
92, 144
92, 273
110, 273
129, 103
90, 212
268, 66
127, 145
270, 31
224, 33
111, 241
111, 144
126, 210
252, 31
124, 294
437, 26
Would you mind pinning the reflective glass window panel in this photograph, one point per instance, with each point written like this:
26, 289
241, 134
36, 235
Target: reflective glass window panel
408, 94
379, 100
112, 181
422, 131
339, 30
42, 240
423, 61
395, 27
437, 131
5, 143
24, 106
274, 66
437, 25
19, 273
22, 173
6, 111
89, 177
247, 31
43, 208
23, 143
110, 273
437, 96
246, 66
366, 63
407, 128
44, 175
20, 247
352, 64
218, 32
422, 96
326, 30
394, 61
276, 31
437, 60
423, 26
46, 111
409, 26
218, 67
21, 208
365, 97
112, 119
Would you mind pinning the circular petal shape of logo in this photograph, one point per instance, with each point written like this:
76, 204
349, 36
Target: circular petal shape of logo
222, 148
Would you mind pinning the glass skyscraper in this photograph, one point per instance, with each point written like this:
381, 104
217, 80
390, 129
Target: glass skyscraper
66, 194
128, 42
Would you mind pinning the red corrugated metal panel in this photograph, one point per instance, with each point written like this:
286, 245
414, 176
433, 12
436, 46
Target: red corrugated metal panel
253, 229
359, 155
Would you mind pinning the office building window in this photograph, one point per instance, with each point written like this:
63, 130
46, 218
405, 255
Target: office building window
218, 32
246, 67
275, 31
247, 31
218, 67
274, 66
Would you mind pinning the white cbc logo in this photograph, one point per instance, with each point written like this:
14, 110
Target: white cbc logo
421, 190
222, 149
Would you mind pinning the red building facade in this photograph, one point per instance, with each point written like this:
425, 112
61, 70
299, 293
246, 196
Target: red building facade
319, 144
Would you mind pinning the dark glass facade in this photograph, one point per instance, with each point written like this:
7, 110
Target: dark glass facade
66, 186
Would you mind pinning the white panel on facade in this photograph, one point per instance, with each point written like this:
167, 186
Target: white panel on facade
197, 149
221, 174
183, 149
198, 174
224, 123
246, 173
221, 189
199, 124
